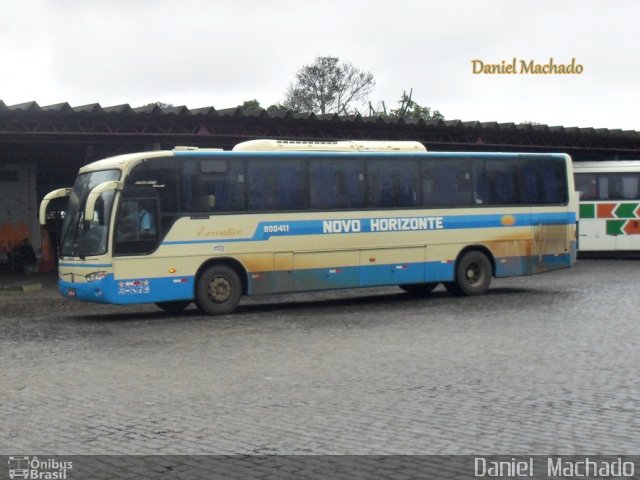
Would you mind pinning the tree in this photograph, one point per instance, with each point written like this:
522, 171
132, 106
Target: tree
253, 106
161, 105
407, 108
327, 86
249, 106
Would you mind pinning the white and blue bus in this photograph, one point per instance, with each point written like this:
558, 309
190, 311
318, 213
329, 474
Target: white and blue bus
207, 226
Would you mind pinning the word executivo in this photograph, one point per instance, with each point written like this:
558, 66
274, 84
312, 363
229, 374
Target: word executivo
526, 67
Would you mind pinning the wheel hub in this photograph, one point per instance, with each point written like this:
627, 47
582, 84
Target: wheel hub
219, 289
473, 274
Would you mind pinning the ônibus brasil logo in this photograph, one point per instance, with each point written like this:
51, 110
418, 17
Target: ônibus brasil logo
38, 469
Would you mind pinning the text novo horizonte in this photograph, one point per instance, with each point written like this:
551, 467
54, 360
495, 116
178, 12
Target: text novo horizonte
399, 224
526, 67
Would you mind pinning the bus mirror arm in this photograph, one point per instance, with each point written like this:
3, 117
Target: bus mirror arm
98, 190
59, 193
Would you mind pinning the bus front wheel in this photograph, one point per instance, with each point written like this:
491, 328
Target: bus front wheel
218, 291
473, 275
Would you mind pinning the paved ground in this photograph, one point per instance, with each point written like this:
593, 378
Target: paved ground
539, 365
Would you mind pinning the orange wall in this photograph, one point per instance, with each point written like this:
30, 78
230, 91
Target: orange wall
12, 235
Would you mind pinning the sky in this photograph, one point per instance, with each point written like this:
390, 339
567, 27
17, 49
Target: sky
219, 53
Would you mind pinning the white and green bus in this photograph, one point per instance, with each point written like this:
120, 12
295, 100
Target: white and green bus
208, 226
609, 205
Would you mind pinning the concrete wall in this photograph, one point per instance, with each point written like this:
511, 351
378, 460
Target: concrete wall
18, 206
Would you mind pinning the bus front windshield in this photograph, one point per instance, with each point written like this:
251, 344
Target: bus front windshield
82, 238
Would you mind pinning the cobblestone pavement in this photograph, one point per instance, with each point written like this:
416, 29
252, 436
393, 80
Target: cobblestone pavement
538, 365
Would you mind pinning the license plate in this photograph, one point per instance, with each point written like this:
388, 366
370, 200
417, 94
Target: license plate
71, 292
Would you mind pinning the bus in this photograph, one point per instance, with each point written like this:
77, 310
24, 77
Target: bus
207, 226
609, 214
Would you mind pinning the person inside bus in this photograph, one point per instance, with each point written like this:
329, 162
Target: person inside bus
145, 221
135, 222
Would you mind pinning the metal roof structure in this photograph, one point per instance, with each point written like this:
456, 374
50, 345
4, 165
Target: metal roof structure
123, 127
59, 139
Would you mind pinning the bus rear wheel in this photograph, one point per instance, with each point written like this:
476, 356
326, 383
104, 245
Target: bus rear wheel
473, 275
218, 290
173, 307
419, 289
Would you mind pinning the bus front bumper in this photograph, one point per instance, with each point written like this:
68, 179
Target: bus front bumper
97, 291
129, 291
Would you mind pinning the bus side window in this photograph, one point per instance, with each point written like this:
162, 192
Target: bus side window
212, 185
548, 185
499, 182
136, 219
136, 226
528, 184
482, 184
623, 186
536, 181
321, 184
603, 187
282, 188
615, 187
262, 186
336, 184
292, 183
552, 181
505, 193
392, 183
481, 191
447, 183
160, 179
586, 186
630, 186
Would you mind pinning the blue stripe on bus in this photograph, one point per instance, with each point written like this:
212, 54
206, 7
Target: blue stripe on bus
285, 228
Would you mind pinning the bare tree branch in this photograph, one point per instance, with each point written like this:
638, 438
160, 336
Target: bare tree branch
327, 86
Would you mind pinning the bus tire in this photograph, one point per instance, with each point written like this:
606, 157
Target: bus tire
218, 290
419, 289
173, 307
473, 275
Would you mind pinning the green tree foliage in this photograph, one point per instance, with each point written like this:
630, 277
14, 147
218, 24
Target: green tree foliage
160, 105
328, 86
250, 105
407, 108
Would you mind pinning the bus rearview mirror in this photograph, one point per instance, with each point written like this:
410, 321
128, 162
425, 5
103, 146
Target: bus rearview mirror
59, 193
90, 207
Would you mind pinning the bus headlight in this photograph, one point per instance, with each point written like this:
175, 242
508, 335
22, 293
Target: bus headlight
95, 276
